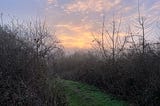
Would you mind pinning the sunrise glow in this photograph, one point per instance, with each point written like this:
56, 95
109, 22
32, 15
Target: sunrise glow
74, 21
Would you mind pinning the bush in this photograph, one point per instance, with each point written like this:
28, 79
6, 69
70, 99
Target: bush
133, 77
23, 72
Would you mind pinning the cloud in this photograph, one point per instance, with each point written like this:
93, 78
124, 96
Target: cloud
51, 4
51, 1
155, 8
75, 20
74, 28
84, 6
75, 36
91, 5
81, 41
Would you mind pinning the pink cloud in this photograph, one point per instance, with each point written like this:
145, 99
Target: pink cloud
91, 5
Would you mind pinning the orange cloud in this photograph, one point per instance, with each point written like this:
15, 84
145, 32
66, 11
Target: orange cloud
79, 41
75, 28
75, 36
80, 38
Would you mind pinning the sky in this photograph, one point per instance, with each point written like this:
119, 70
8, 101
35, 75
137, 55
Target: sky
75, 21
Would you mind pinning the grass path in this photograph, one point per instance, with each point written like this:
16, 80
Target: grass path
79, 94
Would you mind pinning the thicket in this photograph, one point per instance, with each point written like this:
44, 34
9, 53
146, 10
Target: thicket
24, 67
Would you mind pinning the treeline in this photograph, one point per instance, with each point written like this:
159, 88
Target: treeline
25, 67
133, 77
127, 67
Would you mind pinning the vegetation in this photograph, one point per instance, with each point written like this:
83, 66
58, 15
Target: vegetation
127, 67
24, 67
34, 70
79, 94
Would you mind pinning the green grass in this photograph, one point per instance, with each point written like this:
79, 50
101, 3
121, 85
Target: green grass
79, 94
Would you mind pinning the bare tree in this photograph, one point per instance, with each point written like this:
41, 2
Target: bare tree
111, 43
141, 20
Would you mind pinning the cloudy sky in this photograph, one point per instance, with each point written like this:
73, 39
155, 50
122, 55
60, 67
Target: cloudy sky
75, 20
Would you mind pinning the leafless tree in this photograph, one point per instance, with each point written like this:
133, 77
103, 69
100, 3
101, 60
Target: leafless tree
111, 43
